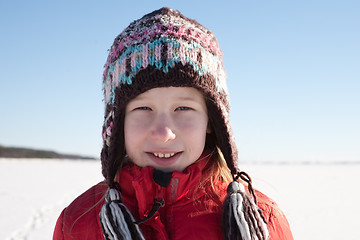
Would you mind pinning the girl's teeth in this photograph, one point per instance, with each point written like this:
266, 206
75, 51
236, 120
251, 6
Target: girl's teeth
166, 155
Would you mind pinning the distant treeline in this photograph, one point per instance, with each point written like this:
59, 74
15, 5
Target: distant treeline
16, 152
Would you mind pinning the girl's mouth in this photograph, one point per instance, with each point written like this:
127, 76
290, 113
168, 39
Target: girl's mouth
164, 159
164, 155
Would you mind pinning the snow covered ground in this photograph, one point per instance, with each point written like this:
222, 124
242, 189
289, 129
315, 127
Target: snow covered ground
320, 201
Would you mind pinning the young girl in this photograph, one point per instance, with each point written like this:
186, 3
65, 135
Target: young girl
169, 159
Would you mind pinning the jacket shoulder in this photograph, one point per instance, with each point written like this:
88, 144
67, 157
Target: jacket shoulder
80, 219
278, 225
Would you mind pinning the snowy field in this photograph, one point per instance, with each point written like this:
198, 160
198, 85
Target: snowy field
320, 201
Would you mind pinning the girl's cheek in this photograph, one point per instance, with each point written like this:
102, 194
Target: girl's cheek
141, 119
191, 122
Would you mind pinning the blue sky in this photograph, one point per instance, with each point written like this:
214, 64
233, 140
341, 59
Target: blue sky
293, 72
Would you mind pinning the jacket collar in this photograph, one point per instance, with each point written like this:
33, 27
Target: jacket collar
138, 183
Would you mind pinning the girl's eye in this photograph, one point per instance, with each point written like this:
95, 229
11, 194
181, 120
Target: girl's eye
183, 108
142, 108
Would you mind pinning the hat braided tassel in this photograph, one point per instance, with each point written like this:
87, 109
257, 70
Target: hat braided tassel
242, 219
116, 220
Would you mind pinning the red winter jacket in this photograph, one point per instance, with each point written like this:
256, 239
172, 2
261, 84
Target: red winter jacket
190, 211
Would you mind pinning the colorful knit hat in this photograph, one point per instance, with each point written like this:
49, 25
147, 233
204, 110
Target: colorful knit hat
165, 49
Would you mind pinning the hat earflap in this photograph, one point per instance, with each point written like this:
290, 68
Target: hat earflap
242, 219
116, 220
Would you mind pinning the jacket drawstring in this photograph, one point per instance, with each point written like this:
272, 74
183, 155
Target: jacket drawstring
162, 179
155, 208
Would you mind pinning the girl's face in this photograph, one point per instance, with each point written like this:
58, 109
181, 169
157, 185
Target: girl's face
166, 128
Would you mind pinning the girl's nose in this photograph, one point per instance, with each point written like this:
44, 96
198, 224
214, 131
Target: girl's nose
162, 130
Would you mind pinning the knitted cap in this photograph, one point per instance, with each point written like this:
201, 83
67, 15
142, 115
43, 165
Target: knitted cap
164, 49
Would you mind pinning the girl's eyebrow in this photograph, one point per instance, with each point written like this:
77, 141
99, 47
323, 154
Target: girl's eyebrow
138, 98
181, 98
188, 97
